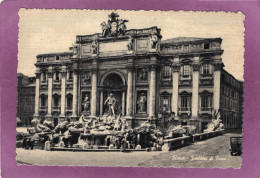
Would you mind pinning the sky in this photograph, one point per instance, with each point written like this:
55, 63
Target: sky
47, 31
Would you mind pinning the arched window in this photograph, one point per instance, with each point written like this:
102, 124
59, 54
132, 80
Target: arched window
44, 76
185, 72
56, 100
206, 69
185, 100
43, 100
165, 100
205, 100
69, 101
167, 73
57, 76
70, 75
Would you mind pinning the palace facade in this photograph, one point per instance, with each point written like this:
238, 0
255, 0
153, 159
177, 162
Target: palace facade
145, 74
25, 98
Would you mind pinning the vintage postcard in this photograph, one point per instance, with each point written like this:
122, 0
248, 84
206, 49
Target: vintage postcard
130, 88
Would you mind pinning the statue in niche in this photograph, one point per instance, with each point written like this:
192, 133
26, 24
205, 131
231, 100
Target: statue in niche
94, 47
111, 103
130, 44
86, 78
141, 103
86, 103
154, 40
142, 75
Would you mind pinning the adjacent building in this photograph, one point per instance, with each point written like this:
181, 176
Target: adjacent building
144, 73
25, 98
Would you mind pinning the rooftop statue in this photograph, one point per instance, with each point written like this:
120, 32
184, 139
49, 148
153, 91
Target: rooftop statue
114, 26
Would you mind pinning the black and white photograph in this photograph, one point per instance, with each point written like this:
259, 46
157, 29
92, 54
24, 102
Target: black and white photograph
121, 88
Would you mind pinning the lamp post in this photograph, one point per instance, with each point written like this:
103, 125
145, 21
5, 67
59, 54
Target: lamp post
162, 115
164, 110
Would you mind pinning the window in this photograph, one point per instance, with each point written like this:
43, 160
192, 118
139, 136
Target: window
165, 100
57, 75
167, 72
186, 70
69, 100
206, 69
232, 94
56, 100
205, 101
206, 45
43, 100
70, 75
57, 58
44, 77
184, 102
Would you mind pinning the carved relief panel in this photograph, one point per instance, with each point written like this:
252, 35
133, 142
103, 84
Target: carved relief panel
86, 78
142, 75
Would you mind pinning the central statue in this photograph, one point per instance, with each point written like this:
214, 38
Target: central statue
111, 103
114, 26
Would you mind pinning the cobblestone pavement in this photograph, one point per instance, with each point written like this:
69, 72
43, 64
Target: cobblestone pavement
198, 154
210, 153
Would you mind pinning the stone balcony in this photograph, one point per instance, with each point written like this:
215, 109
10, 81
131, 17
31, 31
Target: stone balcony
43, 109
56, 108
185, 80
206, 79
184, 111
69, 109
204, 111
57, 84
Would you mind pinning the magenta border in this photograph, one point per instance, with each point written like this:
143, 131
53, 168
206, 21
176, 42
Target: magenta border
8, 56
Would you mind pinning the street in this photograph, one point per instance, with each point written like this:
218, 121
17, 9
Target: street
210, 153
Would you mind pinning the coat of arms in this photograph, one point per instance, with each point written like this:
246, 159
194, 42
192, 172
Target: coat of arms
114, 26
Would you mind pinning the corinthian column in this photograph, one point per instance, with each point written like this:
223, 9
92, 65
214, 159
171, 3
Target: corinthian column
175, 88
93, 105
63, 91
75, 93
50, 75
101, 102
152, 89
37, 95
129, 97
123, 103
216, 95
195, 90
